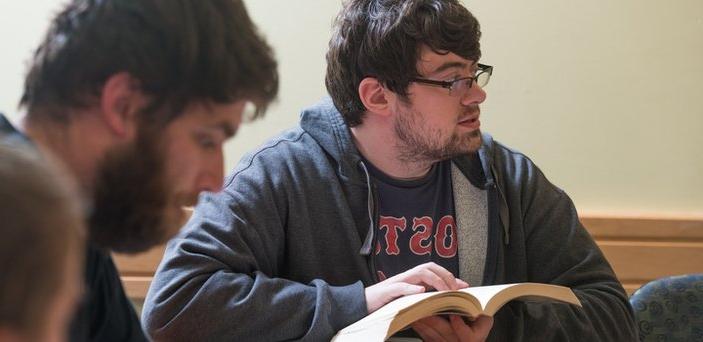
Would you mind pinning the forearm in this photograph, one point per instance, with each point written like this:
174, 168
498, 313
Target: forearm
605, 316
237, 307
217, 281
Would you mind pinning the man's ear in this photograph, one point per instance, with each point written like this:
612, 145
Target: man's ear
120, 101
374, 96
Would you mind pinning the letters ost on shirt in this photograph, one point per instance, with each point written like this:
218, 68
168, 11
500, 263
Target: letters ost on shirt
421, 240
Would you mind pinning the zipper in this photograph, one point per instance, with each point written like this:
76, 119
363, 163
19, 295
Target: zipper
503, 213
368, 247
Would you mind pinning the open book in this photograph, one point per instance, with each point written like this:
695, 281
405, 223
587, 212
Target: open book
471, 301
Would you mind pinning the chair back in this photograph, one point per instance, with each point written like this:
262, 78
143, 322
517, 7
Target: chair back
670, 309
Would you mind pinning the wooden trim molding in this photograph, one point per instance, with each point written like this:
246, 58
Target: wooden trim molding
636, 228
639, 249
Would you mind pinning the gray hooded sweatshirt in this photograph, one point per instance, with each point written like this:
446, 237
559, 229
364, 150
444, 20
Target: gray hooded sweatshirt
283, 252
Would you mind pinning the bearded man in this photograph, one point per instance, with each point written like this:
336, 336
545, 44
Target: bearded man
136, 98
388, 189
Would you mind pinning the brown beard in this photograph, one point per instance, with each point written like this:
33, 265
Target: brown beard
133, 209
420, 144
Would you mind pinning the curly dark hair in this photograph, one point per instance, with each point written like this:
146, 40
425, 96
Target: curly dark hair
381, 38
180, 51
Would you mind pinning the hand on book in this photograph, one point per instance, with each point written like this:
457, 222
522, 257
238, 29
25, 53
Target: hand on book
436, 328
415, 280
427, 312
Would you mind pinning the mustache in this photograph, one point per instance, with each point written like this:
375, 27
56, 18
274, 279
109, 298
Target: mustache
471, 112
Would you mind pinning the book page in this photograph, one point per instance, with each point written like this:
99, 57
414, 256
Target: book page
389, 311
494, 297
484, 293
373, 331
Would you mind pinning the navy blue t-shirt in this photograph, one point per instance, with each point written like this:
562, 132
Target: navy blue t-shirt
415, 221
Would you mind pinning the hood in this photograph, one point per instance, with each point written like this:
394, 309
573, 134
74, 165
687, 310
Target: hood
326, 125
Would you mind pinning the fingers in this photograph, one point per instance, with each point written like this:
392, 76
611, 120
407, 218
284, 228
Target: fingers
430, 278
477, 330
384, 292
448, 281
430, 329
460, 327
482, 326
436, 328
432, 275
415, 280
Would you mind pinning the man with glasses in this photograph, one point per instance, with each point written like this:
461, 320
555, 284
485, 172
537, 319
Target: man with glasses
388, 189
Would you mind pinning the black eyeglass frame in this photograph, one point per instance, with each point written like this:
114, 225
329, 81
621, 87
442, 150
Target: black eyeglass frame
483, 68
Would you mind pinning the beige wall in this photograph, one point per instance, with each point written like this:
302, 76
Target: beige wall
605, 96
22, 23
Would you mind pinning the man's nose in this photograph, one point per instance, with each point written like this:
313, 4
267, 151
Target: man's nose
210, 178
474, 95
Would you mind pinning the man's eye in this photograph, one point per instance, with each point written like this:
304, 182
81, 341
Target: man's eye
206, 142
462, 80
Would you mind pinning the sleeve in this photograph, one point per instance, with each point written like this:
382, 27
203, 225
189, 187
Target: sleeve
559, 250
219, 278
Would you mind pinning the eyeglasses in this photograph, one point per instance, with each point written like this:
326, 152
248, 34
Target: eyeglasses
460, 85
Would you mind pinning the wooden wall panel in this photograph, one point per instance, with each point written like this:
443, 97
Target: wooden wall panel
642, 249
639, 249
143, 264
637, 262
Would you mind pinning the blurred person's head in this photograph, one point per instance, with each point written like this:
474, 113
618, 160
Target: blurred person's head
41, 249
137, 97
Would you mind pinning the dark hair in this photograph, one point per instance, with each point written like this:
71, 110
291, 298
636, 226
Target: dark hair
381, 38
42, 232
179, 50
